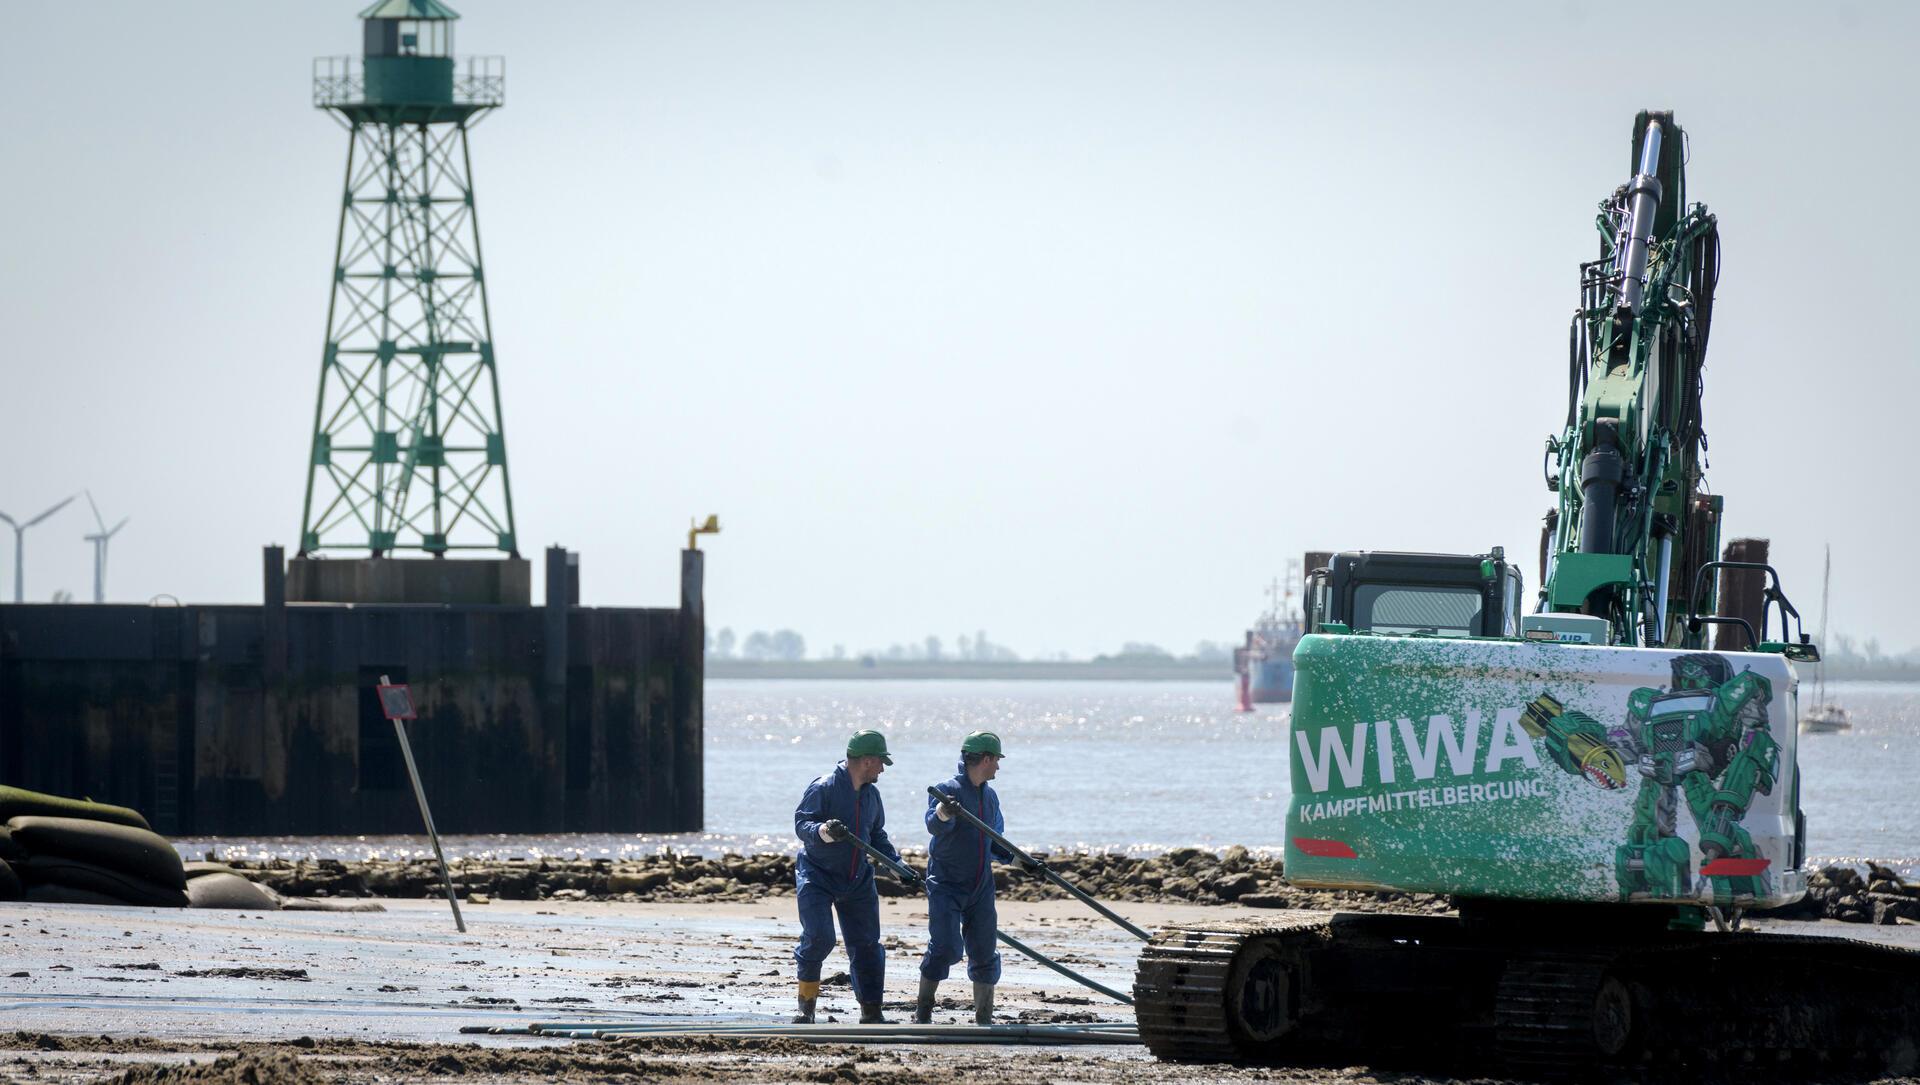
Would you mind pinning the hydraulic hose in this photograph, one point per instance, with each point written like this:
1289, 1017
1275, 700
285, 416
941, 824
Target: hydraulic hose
1045, 871
906, 875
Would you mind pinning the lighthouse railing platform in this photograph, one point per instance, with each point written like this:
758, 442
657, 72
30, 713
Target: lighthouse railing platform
342, 81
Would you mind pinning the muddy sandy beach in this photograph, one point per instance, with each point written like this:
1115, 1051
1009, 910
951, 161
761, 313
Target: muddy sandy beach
140, 994
93, 993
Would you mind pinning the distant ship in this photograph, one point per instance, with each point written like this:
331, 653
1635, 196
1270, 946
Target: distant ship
1263, 667
1824, 717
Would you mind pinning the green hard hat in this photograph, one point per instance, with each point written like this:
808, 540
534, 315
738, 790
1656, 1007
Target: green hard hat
982, 742
868, 744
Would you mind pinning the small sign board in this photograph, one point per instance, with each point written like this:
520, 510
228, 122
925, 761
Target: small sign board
396, 703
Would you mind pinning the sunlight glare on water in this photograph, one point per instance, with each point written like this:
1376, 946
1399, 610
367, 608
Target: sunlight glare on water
1134, 767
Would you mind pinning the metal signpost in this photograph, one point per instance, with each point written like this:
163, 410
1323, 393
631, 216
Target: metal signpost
396, 703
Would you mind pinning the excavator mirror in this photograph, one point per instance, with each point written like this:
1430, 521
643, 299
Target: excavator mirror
1805, 652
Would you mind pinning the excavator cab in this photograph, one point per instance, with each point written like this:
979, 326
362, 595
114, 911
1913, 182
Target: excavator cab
1434, 595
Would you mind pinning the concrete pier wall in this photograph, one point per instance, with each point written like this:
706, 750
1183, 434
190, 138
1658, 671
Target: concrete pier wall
474, 581
261, 720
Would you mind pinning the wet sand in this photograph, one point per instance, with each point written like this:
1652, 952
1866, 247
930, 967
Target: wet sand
382, 996
96, 993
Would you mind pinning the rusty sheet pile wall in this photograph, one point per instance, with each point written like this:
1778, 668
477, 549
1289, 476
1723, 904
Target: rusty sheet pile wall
261, 720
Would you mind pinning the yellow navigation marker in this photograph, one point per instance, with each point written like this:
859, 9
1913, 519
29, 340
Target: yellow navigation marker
695, 529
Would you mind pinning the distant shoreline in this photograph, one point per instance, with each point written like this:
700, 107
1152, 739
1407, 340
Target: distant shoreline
1130, 670
1123, 670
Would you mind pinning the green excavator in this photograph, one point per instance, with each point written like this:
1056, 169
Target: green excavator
1604, 795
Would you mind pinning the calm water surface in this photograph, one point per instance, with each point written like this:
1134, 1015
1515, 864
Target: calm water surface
1127, 766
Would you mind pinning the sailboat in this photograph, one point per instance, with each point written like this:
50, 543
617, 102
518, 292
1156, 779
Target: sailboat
1823, 717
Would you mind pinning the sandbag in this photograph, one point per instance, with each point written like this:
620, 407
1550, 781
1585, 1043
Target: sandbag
66, 894
227, 891
120, 847
18, 801
9, 882
200, 868
9, 849
124, 887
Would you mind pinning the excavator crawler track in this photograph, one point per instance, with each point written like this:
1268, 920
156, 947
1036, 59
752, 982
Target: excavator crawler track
1807, 1004
1555, 1010
1537, 1000
1226, 993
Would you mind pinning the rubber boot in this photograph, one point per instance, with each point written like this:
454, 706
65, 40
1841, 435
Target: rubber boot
809, 994
870, 1014
923, 1006
983, 1003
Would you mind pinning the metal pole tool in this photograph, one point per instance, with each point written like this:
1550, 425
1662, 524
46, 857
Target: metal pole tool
907, 875
1045, 871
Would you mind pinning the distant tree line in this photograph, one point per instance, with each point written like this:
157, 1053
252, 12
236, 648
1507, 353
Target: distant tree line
787, 646
1206, 651
783, 645
967, 649
1845, 658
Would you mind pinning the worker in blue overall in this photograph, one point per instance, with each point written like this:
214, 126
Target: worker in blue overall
960, 915
834, 876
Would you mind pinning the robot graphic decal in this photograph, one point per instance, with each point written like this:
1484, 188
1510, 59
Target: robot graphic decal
1705, 739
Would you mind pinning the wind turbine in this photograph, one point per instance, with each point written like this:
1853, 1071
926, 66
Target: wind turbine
99, 542
19, 543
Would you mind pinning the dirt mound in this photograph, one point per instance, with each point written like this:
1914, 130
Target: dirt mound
245, 973
272, 1068
852, 1073
571, 1064
44, 1041
707, 1045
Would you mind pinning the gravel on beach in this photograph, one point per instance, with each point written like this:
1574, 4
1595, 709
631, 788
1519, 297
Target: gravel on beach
1875, 895
1184, 875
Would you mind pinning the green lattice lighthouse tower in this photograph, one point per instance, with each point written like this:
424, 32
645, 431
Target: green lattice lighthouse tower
409, 456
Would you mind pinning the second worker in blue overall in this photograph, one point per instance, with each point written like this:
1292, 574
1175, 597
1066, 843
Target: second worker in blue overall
833, 876
960, 913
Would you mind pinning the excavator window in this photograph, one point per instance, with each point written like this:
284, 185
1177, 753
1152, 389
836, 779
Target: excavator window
1317, 598
1435, 611
1441, 595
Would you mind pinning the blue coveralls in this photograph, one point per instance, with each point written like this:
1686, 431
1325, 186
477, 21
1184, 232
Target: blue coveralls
837, 877
960, 884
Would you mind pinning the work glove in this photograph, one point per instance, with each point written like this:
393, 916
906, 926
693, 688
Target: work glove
946, 811
834, 831
1031, 864
910, 878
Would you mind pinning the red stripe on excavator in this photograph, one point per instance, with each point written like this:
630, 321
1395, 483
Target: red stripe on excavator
1735, 868
1324, 849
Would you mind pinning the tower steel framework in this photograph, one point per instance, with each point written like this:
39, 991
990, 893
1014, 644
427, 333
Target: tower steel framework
408, 452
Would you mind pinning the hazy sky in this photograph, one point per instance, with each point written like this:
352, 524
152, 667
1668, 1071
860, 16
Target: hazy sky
1066, 321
